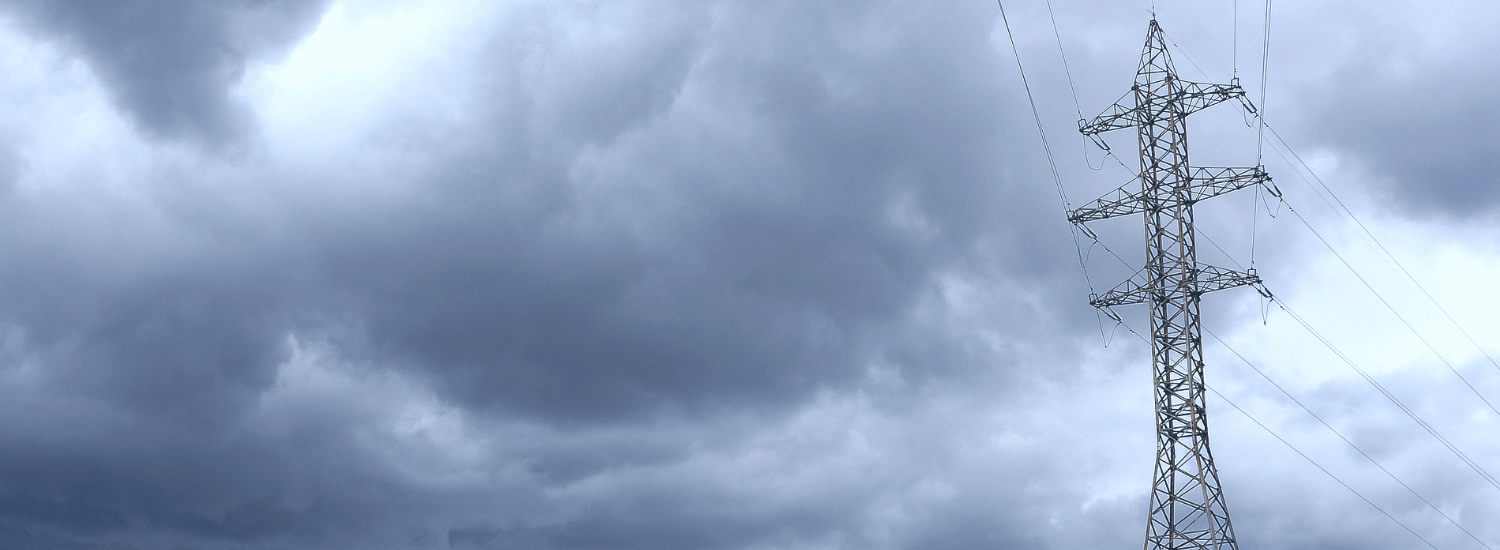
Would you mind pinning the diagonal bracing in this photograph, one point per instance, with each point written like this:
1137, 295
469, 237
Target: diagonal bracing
1187, 504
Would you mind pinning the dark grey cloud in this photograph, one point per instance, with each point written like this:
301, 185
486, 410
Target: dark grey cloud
172, 64
642, 274
1423, 136
761, 275
655, 213
1407, 102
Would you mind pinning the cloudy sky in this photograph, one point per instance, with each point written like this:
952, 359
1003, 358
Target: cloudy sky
715, 274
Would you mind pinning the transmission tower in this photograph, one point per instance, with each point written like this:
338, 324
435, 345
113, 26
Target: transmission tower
1187, 505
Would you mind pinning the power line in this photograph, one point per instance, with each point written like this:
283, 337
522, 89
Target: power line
1342, 210
1392, 309
1265, 61
1062, 194
1319, 418
1069, 72
1390, 396
1452, 448
1074, 229
1458, 453
1309, 459
1325, 470
1390, 258
1335, 432
1235, 56
1461, 456
1035, 114
1064, 56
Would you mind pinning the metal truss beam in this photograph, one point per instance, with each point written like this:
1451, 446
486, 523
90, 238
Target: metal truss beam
1207, 279
1204, 183
1187, 505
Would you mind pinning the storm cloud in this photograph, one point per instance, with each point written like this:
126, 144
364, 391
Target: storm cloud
637, 274
172, 64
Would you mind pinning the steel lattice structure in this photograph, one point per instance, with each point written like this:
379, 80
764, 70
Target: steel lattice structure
1187, 505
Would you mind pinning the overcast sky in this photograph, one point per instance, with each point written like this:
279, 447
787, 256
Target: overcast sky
700, 274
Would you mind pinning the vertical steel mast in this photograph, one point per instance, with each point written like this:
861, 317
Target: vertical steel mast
1187, 506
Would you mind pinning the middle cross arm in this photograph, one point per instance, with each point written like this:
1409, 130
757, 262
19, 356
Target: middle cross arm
1212, 182
1206, 278
1134, 290
1212, 278
1120, 202
1206, 183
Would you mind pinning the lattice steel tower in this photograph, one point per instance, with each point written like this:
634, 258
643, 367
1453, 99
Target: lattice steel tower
1187, 506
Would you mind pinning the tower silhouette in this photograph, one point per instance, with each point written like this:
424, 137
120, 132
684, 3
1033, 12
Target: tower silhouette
1187, 504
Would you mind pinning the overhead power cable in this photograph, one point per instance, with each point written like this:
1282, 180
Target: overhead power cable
1265, 62
1077, 107
1062, 194
1336, 433
1304, 456
1392, 309
1064, 55
1342, 210
1348, 215
1260, 117
1321, 468
1234, 58
1391, 397
1035, 114
1330, 427
1320, 420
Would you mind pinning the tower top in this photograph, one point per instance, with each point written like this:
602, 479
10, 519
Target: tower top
1155, 60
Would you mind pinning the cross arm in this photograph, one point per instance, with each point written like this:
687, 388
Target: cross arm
1196, 96
1132, 291
1211, 278
1206, 183
1120, 202
1117, 116
1212, 182
1208, 279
